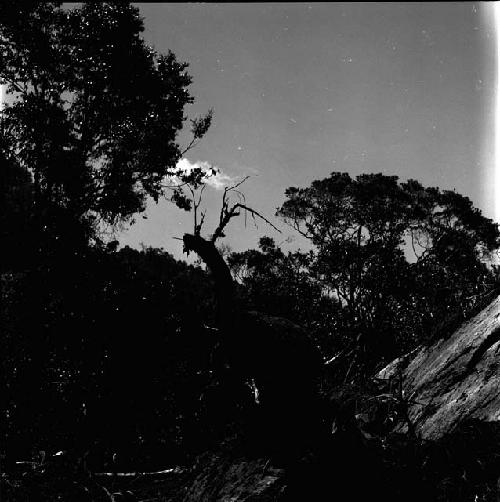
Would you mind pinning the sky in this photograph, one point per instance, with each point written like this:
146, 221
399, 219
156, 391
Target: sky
300, 90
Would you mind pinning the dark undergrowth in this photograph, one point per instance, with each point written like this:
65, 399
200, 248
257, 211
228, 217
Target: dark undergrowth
360, 460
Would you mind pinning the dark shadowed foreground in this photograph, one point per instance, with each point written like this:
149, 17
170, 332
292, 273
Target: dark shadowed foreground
425, 429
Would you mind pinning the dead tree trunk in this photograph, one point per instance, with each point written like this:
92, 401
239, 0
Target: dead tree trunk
225, 290
274, 353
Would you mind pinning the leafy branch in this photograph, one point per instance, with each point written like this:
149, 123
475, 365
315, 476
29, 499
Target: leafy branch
199, 127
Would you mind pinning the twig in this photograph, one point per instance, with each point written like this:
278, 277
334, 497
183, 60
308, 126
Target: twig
196, 205
228, 189
191, 144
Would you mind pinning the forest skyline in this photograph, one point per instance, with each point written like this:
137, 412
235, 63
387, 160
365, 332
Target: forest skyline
301, 90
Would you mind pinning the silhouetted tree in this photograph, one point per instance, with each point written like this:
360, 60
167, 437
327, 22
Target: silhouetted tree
16, 213
397, 256
89, 133
281, 284
95, 113
272, 354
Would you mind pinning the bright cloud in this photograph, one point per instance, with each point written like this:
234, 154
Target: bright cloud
219, 180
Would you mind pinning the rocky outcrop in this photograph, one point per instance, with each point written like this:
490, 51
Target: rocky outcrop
220, 476
455, 380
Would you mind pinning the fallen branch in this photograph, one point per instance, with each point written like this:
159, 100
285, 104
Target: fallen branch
165, 472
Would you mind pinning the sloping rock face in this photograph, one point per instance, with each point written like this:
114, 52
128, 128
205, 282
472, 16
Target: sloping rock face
455, 380
222, 477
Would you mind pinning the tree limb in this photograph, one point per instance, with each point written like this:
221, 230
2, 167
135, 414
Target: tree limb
227, 214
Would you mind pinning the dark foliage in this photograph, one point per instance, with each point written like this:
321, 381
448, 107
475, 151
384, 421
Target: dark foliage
113, 357
399, 258
106, 354
94, 115
281, 284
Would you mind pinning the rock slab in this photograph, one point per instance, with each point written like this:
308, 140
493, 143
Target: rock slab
454, 380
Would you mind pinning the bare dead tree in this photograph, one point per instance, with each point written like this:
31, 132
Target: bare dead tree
273, 353
227, 212
206, 248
